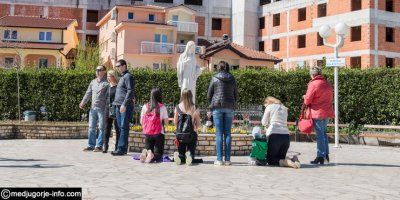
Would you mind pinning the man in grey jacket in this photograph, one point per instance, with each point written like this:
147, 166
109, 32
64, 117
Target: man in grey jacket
98, 92
124, 96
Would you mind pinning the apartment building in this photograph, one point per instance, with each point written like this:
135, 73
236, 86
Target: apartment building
213, 17
37, 41
288, 29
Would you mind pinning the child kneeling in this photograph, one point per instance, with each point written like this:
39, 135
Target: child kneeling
152, 117
186, 121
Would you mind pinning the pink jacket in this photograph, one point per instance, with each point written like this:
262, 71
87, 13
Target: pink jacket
319, 98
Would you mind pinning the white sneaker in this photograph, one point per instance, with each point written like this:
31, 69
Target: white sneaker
143, 155
218, 163
228, 163
189, 158
177, 160
149, 156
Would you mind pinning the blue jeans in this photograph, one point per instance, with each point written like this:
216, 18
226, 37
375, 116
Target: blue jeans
123, 125
320, 126
223, 123
96, 115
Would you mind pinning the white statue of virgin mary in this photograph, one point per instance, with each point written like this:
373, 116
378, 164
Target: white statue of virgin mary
187, 69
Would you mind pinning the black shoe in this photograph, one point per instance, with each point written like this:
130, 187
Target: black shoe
105, 149
327, 158
117, 153
318, 160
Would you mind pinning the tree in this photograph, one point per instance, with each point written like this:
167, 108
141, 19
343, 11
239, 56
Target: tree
88, 56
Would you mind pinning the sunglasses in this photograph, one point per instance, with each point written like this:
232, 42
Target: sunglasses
99, 70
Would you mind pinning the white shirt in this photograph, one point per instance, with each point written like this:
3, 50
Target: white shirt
163, 114
275, 119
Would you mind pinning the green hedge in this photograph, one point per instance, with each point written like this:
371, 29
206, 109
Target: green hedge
369, 96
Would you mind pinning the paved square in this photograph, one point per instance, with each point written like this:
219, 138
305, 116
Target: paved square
355, 172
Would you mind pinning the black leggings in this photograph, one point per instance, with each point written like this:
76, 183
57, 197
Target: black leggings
278, 145
155, 143
184, 147
106, 135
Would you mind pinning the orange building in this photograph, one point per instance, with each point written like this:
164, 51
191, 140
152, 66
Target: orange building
289, 30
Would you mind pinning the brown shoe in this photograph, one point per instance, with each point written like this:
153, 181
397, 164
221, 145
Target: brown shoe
98, 149
88, 149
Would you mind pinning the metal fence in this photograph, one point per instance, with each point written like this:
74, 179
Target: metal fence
245, 117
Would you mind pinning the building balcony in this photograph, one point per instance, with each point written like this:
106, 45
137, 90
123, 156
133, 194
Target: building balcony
157, 47
188, 27
180, 48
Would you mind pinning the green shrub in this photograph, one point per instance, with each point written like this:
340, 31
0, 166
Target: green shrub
366, 97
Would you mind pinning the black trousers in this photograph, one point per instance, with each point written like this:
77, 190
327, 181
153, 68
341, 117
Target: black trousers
155, 143
185, 147
106, 135
278, 145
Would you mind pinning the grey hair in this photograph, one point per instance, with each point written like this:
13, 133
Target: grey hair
314, 71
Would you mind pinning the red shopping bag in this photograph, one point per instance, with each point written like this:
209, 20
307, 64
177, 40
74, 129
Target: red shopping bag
305, 124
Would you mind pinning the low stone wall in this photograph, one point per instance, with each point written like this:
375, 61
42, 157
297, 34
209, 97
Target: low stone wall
43, 131
241, 144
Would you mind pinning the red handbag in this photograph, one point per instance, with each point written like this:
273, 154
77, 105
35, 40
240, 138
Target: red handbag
305, 125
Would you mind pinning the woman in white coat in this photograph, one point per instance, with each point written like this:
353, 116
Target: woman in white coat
275, 120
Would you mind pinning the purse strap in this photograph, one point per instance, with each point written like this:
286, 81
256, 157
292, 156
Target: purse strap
304, 107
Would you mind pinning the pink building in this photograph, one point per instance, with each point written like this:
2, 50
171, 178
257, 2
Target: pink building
147, 36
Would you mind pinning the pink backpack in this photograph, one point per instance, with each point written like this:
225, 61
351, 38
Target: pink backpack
152, 120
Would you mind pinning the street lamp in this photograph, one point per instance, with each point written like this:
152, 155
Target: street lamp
325, 32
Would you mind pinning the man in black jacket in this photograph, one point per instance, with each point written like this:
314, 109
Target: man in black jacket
222, 96
123, 102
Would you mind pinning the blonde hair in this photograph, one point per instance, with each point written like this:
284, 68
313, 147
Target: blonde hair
114, 74
187, 100
272, 100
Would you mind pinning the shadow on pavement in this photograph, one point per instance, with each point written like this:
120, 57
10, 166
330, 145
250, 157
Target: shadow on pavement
35, 166
24, 160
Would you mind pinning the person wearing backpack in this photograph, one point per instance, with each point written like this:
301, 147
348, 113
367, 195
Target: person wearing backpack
153, 114
186, 121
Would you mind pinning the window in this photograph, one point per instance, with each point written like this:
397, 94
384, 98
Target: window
152, 18
130, 15
261, 46
320, 63
389, 6
45, 36
320, 40
302, 14
301, 41
10, 34
91, 39
156, 66
322, 10
276, 19
263, 2
175, 18
355, 5
262, 22
164, 1
389, 34
92, 16
355, 62
216, 24
8, 62
161, 38
389, 62
356, 33
43, 63
194, 2
275, 45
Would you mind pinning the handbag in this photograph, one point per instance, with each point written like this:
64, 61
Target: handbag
305, 125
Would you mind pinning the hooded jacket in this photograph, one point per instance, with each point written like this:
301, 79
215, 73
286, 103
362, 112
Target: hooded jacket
223, 91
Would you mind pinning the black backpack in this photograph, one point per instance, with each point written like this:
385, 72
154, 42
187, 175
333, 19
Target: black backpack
185, 131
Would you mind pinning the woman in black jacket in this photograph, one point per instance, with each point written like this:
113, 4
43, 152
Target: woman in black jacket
112, 77
222, 96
